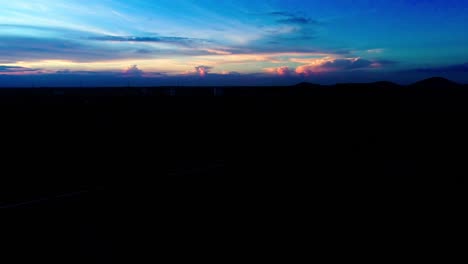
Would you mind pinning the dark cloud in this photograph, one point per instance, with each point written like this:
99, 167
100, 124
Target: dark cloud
144, 51
297, 20
280, 13
72, 45
278, 46
99, 73
291, 38
188, 42
233, 73
10, 68
66, 44
31, 49
133, 71
346, 64
79, 35
13, 49
301, 30
273, 42
290, 18
15, 69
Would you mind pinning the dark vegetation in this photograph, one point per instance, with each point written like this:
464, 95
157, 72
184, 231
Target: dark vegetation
178, 156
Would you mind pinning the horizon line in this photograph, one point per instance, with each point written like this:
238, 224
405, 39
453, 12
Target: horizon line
230, 86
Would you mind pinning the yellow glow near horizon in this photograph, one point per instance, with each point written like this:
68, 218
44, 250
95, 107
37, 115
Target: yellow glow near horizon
220, 62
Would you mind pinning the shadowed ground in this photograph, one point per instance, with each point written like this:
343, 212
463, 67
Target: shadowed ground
118, 161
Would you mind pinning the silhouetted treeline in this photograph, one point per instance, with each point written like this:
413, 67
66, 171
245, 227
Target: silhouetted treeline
434, 94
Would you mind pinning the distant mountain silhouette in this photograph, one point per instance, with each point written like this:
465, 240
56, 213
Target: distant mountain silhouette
306, 85
435, 82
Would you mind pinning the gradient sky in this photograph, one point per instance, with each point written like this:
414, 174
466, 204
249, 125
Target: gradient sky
235, 42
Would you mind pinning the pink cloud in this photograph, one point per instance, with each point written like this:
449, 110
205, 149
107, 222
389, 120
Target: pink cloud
203, 70
306, 70
335, 65
281, 71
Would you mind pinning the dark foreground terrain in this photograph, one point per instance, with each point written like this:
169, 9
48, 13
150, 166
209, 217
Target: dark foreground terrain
167, 164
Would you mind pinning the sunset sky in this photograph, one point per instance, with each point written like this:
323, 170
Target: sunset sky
235, 42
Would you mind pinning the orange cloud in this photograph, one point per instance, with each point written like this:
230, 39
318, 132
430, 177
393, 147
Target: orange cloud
219, 52
312, 66
312, 61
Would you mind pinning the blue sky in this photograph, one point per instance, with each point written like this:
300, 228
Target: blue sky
207, 42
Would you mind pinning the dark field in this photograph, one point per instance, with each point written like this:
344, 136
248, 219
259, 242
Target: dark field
116, 161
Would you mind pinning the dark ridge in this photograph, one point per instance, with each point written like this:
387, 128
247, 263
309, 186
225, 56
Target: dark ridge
435, 82
382, 84
307, 85
386, 84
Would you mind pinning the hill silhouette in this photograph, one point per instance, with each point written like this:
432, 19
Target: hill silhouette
435, 82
